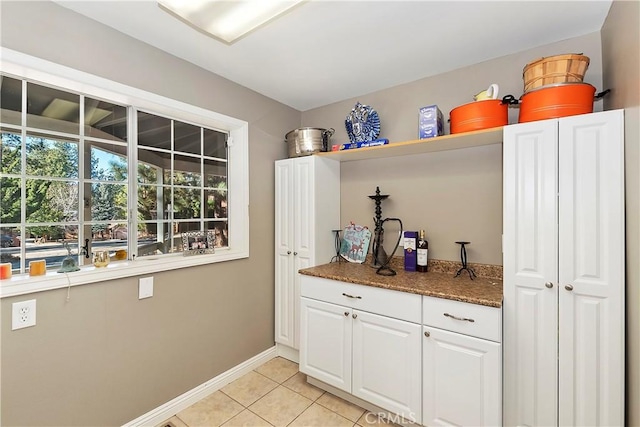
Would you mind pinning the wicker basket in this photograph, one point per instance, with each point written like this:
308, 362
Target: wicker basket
569, 68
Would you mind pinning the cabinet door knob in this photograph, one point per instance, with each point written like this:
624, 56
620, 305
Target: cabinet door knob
568, 287
427, 334
346, 313
354, 315
295, 253
288, 252
549, 285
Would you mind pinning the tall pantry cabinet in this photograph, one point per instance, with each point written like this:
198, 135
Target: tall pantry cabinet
564, 270
307, 210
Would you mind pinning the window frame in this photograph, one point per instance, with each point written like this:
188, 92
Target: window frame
23, 66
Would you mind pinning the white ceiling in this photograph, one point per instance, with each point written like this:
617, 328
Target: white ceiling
326, 51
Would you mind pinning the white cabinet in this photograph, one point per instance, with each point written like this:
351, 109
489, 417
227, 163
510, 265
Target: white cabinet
307, 209
386, 363
462, 366
564, 271
326, 340
365, 341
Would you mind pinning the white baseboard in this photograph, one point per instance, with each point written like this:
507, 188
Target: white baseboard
378, 415
288, 353
169, 409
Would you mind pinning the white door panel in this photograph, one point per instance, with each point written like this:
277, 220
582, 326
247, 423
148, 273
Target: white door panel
530, 273
591, 270
285, 298
325, 342
386, 363
461, 380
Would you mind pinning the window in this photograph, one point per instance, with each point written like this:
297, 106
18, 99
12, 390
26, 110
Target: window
78, 166
181, 183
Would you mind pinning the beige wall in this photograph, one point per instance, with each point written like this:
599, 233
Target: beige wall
105, 358
454, 195
621, 73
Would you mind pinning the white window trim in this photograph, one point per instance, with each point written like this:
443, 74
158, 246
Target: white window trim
29, 67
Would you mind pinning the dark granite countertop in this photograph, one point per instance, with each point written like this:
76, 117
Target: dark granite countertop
438, 282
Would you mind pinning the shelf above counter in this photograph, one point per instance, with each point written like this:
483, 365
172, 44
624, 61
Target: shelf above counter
419, 146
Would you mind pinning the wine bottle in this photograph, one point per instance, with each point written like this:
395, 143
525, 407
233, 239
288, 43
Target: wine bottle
423, 248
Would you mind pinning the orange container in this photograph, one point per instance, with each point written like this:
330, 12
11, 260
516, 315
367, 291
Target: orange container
5, 270
38, 267
559, 100
477, 115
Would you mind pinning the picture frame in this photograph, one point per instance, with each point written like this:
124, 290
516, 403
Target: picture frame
355, 243
198, 242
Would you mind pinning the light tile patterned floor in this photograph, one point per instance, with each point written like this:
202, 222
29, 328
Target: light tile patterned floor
274, 394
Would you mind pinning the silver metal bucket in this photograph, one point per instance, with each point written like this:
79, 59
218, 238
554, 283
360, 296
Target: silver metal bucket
306, 141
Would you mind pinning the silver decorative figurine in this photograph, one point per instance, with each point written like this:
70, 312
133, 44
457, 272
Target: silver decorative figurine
69, 263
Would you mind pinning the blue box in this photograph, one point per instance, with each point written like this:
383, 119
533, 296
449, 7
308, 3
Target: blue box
431, 123
410, 244
353, 145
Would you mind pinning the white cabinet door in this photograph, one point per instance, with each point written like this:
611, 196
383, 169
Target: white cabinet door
304, 217
285, 298
591, 306
386, 363
307, 209
325, 342
304, 208
530, 252
461, 380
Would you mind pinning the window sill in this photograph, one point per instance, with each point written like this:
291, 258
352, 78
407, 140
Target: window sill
23, 284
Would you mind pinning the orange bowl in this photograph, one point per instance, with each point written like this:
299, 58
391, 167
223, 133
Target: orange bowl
559, 100
479, 115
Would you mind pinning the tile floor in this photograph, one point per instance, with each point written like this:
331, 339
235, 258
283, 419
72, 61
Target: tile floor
274, 394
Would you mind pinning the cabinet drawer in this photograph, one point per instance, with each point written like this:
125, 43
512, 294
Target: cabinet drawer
385, 302
469, 319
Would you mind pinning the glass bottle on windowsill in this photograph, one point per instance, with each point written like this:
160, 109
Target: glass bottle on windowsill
422, 249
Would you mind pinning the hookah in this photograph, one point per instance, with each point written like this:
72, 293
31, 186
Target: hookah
380, 259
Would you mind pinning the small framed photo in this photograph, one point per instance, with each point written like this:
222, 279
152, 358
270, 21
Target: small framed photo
198, 242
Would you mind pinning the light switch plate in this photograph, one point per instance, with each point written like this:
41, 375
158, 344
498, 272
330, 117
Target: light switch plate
145, 287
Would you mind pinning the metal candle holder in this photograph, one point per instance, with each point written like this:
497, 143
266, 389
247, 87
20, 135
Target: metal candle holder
463, 258
337, 257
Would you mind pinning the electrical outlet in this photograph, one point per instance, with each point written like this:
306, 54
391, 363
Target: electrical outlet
24, 314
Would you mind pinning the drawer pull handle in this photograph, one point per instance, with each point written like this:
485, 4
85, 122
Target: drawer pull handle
351, 296
459, 318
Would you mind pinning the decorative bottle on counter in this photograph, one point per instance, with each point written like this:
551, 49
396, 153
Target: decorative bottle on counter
423, 248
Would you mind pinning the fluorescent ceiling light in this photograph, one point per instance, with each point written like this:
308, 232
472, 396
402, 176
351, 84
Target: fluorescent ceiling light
227, 20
